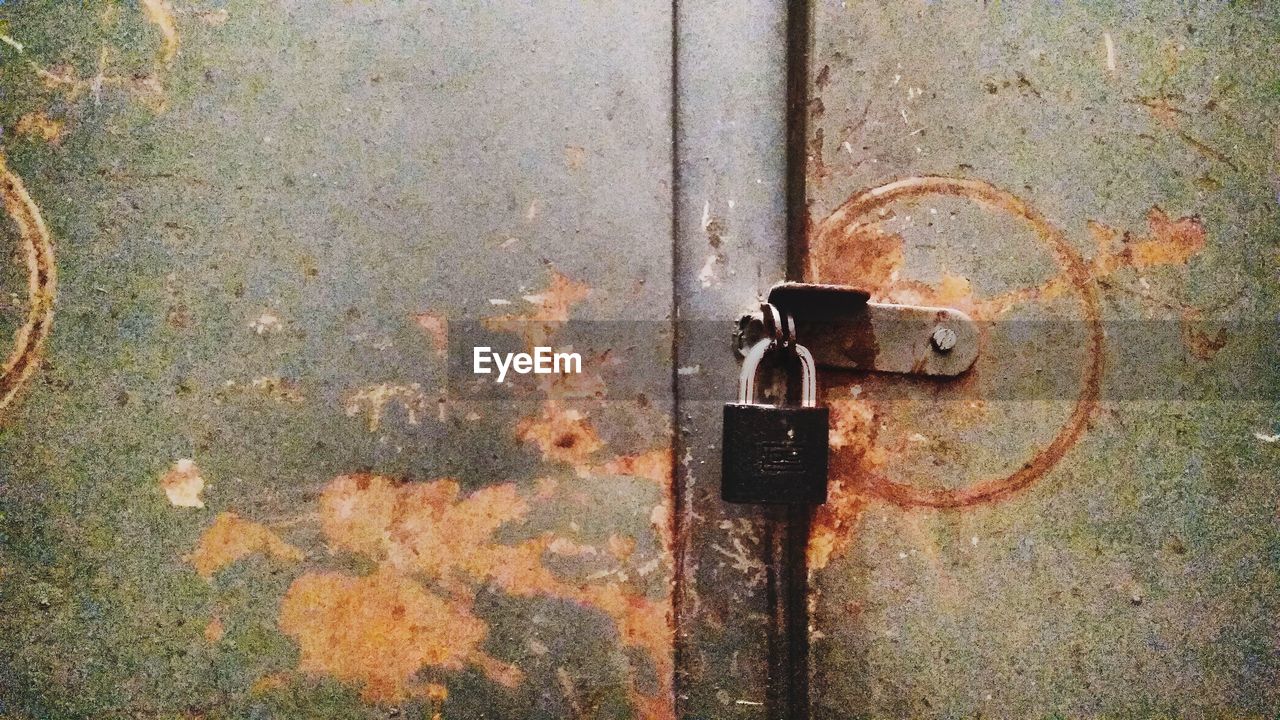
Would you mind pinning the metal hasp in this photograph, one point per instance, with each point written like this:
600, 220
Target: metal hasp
844, 330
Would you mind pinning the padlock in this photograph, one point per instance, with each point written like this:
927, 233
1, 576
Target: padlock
775, 454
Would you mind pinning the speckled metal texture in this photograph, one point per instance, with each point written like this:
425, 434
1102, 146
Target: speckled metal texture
1106, 548
235, 481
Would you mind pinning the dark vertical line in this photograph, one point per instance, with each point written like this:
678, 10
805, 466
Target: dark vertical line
793, 565
796, 589
799, 23
677, 441
776, 692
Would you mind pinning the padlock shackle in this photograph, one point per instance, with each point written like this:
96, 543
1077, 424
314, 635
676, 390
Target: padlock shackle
751, 364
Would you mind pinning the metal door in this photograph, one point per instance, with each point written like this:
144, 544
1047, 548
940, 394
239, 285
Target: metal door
1085, 524
245, 470
241, 477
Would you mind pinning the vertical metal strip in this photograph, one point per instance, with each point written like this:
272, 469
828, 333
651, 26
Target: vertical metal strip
792, 614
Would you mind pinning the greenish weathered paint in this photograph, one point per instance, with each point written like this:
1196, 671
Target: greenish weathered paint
1137, 576
260, 221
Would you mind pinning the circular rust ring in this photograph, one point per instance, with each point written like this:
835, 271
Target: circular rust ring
1076, 272
37, 246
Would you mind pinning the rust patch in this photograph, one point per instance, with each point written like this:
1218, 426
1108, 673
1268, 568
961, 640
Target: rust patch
436, 326
36, 246
550, 310
856, 453
427, 530
231, 538
183, 484
160, 14
434, 548
1168, 242
214, 630
39, 125
857, 249
838, 255
562, 433
654, 465
380, 630
1172, 242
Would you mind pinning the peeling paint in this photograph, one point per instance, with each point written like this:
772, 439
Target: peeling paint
183, 484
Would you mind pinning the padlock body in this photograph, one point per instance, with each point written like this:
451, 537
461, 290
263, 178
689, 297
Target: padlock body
774, 454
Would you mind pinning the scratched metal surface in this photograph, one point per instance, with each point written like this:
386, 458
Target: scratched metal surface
730, 249
1006, 546
231, 481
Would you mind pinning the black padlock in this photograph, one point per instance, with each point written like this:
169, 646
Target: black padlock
775, 454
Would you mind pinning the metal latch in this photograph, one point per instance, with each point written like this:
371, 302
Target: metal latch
844, 330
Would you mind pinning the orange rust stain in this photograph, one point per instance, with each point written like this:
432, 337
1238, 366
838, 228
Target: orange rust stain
214, 631
36, 246
378, 631
855, 454
1172, 242
846, 247
563, 434
654, 465
861, 250
621, 547
160, 14
550, 309
1168, 242
40, 125
417, 527
554, 303
435, 547
231, 538
436, 326
428, 530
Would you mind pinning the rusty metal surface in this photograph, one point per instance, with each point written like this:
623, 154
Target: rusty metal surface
232, 482
1103, 548
879, 337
